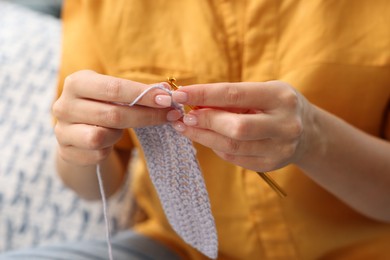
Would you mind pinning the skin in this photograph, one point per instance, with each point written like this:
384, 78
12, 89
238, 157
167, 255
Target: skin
270, 124
86, 138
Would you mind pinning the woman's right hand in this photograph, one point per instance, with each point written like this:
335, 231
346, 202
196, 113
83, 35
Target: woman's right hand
90, 120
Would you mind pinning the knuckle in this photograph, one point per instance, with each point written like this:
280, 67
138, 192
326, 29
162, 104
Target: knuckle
102, 154
113, 89
263, 164
194, 134
59, 109
160, 116
200, 97
239, 128
74, 79
287, 152
207, 121
72, 155
90, 159
290, 98
268, 164
233, 146
233, 95
155, 117
227, 157
95, 138
276, 157
56, 109
69, 80
298, 128
113, 117
58, 133
63, 154
295, 128
84, 161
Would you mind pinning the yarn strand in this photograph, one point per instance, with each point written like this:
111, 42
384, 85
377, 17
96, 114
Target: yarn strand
100, 179
105, 212
178, 181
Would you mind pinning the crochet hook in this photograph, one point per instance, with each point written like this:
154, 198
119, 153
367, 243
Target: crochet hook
271, 182
171, 81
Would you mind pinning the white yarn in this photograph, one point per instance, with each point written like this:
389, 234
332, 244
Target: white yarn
105, 212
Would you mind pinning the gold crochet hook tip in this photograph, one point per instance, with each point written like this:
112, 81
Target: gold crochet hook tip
272, 184
172, 82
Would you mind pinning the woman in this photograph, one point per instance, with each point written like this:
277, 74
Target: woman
307, 100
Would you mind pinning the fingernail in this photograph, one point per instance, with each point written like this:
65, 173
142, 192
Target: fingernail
174, 115
179, 126
179, 96
190, 120
163, 100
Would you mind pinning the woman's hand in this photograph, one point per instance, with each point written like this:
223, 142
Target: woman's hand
265, 126
259, 126
91, 116
90, 120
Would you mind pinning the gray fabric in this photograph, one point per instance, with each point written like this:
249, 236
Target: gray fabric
174, 170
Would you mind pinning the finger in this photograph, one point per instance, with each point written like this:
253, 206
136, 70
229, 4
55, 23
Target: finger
108, 115
271, 156
91, 85
268, 154
83, 157
254, 163
232, 95
86, 136
225, 144
243, 127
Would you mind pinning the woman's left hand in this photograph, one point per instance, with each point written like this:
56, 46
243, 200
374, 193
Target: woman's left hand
259, 126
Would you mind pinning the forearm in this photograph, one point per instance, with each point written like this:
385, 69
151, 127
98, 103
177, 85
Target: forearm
349, 163
83, 179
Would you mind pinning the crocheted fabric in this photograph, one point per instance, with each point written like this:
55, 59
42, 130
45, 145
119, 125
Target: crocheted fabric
175, 172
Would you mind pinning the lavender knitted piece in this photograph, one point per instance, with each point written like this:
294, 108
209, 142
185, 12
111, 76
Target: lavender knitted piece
175, 173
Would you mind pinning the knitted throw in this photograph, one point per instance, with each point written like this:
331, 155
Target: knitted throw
176, 175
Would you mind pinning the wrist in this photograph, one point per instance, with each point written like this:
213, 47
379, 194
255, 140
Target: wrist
83, 179
314, 144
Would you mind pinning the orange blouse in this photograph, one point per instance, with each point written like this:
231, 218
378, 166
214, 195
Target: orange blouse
337, 53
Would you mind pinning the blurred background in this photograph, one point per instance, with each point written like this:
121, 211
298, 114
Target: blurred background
52, 7
35, 207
